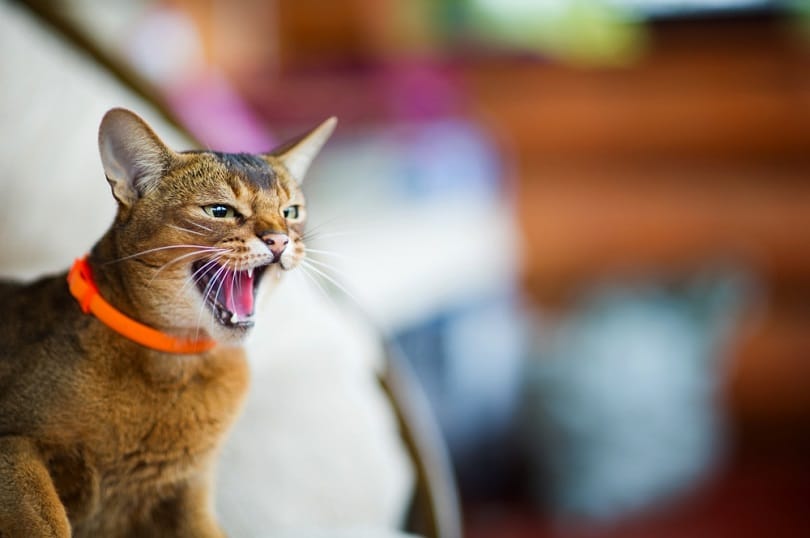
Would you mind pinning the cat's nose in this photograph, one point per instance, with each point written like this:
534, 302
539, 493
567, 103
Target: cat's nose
277, 242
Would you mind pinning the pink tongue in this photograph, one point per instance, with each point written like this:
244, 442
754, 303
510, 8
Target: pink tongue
238, 292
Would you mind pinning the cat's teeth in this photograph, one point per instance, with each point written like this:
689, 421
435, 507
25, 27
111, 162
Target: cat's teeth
250, 272
234, 318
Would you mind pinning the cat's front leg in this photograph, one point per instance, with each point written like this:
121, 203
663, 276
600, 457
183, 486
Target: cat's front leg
29, 504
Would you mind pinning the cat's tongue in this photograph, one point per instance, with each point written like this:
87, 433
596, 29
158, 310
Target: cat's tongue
237, 292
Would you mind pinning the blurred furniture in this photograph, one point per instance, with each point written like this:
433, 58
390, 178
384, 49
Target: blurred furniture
698, 155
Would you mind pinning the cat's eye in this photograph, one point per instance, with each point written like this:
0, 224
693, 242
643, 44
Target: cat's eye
292, 212
219, 211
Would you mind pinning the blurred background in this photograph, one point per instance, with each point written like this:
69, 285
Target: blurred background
584, 223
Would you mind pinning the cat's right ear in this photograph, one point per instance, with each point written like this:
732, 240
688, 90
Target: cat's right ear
133, 156
297, 154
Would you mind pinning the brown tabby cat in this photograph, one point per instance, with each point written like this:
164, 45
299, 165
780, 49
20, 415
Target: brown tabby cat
105, 437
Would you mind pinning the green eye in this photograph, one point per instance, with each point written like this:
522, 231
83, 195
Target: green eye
291, 212
219, 211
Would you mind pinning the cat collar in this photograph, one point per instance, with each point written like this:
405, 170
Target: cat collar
83, 288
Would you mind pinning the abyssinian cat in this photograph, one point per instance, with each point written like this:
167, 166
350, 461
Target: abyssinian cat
118, 384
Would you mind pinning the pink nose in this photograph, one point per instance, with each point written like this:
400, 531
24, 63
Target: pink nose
277, 243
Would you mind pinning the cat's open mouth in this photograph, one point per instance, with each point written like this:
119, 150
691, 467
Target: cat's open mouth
229, 293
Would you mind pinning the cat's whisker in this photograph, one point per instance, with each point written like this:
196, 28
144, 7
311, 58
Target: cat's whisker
208, 288
318, 230
219, 251
314, 282
326, 222
307, 265
198, 225
222, 279
329, 235
325, 265
200, 272
233, 285
197, 275
157, 249
327, 253
185, 229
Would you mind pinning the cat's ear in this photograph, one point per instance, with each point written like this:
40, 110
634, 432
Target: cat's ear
298, 154
133, 156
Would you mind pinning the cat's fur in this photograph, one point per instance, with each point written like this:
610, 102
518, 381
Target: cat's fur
100, 436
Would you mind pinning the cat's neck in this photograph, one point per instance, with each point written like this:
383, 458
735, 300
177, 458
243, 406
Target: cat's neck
109, 276
119, 278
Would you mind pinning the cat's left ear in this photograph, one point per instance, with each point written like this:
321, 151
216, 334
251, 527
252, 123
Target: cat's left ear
298, 154
133, 156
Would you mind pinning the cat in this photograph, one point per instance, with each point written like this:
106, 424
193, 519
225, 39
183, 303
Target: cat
118, 385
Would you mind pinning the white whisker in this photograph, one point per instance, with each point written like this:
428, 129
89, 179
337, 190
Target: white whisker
305, 263
198, 225
327, 266
185, 229
208, 288
315, 282
327, 253
200, 272
326, 222
233, 285
319, 236
219, 251
157, 249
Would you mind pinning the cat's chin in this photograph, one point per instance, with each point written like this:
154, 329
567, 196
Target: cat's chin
229, 336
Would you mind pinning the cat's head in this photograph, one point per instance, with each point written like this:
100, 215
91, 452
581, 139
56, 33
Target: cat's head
197, 232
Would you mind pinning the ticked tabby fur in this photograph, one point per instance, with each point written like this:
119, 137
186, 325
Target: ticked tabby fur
101, 436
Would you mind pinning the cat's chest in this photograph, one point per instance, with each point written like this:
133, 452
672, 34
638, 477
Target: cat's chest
175, 418
138, 433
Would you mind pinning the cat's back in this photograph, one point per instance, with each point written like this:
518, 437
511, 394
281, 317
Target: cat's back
35, 314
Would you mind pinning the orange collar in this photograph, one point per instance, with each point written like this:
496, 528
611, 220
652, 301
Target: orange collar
83, 288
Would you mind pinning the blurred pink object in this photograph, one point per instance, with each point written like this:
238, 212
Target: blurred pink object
211, 110
167, 49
